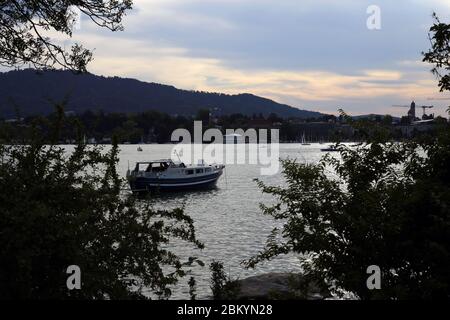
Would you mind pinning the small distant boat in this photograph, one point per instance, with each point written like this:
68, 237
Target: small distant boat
233, 138
304, 142
139, 149
165, 175
331, 148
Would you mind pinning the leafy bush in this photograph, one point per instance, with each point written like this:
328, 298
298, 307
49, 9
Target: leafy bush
381, 203
223, 287
59, 209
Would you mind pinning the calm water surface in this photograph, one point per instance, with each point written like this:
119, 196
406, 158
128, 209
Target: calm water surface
228, 219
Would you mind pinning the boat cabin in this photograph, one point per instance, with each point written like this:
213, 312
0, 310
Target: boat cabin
152, 166
169, 167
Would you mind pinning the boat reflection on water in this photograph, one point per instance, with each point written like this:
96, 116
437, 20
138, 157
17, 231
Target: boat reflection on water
176, 199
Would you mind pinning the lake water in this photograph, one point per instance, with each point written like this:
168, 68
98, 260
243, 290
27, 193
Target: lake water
228, 219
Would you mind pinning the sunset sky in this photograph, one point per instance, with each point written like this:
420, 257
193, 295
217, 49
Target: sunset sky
316, 55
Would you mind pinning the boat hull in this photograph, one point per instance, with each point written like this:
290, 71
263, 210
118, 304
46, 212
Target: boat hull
329, 150
142, 184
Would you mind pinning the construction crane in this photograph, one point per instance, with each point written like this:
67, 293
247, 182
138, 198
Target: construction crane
441, 98
412, 110
425, 116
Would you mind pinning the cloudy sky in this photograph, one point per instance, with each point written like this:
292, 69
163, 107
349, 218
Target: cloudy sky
316, 55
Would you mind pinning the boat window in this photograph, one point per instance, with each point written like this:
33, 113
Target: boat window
190, 171
159, 166
199, 171
208, 170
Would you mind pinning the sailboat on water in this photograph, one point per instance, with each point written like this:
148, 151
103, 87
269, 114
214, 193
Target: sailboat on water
304, 142
139, 149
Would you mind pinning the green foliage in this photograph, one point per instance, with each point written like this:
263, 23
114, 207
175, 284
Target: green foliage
203, 115
381, 203
439, 53
223, 288
366, 129
154, 126
192, 288
23, 27
59, 209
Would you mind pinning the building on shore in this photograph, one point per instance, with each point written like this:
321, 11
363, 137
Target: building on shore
416, 127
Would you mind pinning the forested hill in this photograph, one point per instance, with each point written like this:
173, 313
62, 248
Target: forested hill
32, 93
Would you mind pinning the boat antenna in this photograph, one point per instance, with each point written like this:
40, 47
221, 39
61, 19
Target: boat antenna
226, 178
176, 153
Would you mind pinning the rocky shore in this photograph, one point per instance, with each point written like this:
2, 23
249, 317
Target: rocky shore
279, 286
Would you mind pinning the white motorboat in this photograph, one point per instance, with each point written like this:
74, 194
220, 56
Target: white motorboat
166, 175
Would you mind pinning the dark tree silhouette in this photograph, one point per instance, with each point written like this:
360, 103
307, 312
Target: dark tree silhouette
439, 54
24, 25
60, 208
380, 203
